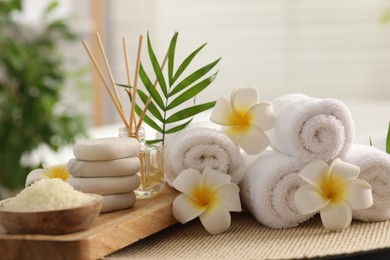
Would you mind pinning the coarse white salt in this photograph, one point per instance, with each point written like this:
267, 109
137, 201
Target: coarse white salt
47, 194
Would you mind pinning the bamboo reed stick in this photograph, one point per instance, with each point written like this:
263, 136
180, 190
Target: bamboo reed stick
113, 85
124, 41
105, 83
128, 72
132, 113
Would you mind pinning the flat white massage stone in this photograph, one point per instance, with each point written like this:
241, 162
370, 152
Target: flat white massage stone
104, 149
119, 167
105, 185
118, 201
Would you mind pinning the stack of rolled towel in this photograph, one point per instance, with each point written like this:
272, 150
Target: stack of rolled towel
308, 129
107, 166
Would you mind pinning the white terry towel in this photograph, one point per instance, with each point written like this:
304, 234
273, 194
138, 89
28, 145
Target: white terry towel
268, 188
199, 146
375, 169
311, 128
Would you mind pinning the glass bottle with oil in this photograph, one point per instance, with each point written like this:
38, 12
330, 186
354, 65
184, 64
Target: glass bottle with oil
151, 173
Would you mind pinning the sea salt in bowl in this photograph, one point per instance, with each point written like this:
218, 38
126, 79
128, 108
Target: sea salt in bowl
51, 222
49, 206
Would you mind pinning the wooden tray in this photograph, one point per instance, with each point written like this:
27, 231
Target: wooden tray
110, 232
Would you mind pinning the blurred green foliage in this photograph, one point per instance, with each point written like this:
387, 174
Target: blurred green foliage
31, 79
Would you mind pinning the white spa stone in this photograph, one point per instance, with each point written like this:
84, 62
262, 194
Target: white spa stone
105, 185
104, 149
118, 201
120, 167
34, 175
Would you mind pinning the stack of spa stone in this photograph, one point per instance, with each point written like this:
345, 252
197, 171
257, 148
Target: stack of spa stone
107, 166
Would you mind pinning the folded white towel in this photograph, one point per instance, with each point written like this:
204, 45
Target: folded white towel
375, 169
268, 188
200, 146
311, 128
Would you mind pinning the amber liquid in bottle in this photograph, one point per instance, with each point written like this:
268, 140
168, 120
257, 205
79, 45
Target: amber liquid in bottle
151, 173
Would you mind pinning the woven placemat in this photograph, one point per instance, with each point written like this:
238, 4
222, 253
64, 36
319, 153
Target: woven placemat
247, 239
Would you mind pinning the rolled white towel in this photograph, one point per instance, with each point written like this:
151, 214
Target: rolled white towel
375, 169
201, 146
311, 128
268, 190
119, 167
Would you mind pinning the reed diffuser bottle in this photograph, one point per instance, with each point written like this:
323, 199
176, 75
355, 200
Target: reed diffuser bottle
151, 157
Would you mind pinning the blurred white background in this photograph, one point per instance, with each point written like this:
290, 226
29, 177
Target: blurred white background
323, 48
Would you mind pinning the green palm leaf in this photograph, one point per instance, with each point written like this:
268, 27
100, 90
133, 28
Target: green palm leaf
148, 120
156, 68
186, 62
193, 77
171, 58
188, 112
161, 107
193, 91
154, 141
152, 107
150, 88
179, 127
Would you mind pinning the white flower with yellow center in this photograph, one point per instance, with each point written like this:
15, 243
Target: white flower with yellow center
56, 171
244, 119
59, 171
209, 196
334, 191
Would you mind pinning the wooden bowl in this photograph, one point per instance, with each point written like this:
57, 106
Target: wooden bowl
52, 222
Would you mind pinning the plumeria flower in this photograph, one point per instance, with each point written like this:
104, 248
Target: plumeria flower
55, 171
59, 171
334, 191
209, 196
244, 119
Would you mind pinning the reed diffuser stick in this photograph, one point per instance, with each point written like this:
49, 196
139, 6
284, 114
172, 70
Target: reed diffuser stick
138, 62
141, 118
113, 85
128, 72
125, 50
105, 83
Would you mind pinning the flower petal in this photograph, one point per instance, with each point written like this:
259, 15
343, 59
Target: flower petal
229, 193
315, 172
216, 219
222, 113
253, 140
336, 216
214, 179
243, 99
358, 194
187, 180
233, 133
262, 116
185, 209
308, 200
344, 170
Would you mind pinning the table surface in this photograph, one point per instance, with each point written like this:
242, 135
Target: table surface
247, 239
